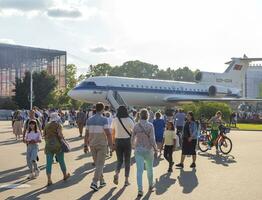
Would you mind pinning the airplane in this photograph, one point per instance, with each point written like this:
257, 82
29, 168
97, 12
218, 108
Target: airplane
209, 86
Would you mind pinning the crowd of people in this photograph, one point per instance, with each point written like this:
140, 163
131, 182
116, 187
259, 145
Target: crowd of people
147, 133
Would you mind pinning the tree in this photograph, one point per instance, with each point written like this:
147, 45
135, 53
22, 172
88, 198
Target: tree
184, 74
43, 86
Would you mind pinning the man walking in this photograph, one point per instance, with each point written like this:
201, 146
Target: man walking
97, 137
179, 120
80, 120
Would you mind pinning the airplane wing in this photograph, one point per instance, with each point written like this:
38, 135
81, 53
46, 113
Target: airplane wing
176, 99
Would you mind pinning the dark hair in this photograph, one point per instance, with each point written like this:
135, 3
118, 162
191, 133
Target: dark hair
192, 115
32, 122
122, 112
172, 125
100, 107
158, 115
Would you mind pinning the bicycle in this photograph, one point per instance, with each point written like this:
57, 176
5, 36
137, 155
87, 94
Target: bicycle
222, 142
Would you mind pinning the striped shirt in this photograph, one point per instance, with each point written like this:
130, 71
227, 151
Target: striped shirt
96, 126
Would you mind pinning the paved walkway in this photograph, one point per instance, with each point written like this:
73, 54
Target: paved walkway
235, 177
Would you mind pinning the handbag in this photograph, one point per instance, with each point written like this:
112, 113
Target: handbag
65, 146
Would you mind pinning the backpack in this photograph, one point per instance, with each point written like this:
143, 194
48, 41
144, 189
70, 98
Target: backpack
53, 144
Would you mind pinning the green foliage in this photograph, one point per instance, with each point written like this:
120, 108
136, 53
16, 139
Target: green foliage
208, 109
260, 90
138, 69
43, 85
70, 76
7, 103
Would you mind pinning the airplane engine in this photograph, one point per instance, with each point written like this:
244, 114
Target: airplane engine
221, 91
218, 91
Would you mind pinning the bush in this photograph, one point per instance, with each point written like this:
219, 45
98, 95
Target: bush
208, 109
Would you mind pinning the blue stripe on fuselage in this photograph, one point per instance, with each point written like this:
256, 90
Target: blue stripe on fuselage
144, 90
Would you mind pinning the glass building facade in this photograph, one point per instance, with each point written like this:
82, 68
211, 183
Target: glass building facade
15, 60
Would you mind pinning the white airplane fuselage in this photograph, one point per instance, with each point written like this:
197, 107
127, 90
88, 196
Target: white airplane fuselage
141, 92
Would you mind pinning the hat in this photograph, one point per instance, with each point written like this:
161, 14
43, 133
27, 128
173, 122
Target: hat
54, 117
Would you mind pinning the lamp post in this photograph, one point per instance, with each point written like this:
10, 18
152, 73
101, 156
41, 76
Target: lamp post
31, 88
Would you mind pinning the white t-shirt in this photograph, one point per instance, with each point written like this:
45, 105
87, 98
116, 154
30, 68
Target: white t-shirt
120, 132
33, 136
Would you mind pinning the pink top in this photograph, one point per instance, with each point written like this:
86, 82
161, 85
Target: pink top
33, 136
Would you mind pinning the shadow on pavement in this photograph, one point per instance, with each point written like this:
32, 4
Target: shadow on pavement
219, 159
9, 142
118, 194
163, 183
188, 180
15, 174
77, 176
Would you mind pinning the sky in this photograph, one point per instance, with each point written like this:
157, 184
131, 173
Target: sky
199, 34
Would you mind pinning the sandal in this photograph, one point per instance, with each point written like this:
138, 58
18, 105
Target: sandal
115, 181
66, 177
127, 183
49, 183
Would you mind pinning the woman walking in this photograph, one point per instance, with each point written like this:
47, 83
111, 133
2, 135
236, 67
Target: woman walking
189, 140
53, 135
143, 141
122, 128
32, 138
17, 124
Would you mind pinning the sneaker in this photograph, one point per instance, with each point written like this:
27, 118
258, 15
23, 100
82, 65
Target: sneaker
102, 184
94, 187
115, 180
180, 165
151, 188
170, 170
37, 172
193, 165
140, 194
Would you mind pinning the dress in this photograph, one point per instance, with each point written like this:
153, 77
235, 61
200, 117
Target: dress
188, 148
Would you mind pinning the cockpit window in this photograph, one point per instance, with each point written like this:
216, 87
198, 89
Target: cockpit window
86, 84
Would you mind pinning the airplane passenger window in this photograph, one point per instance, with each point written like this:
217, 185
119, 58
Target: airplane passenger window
146, 86
156, 87
127, 85
152, 87
132, 85
160, 87
122, 85
137, 86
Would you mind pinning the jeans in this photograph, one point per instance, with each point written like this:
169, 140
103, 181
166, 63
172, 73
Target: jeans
123, 152
141, 157
31, 157
168, 153
60, 159
99, 156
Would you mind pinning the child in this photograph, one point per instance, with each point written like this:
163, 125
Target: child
33, 137
170, 144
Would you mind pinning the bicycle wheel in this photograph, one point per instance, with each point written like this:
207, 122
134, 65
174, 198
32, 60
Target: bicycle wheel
225, 145
202, 143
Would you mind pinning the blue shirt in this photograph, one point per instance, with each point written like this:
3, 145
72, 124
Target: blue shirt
96, 126
159, 125
180, 119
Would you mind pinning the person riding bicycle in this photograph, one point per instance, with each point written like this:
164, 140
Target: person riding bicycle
215, 122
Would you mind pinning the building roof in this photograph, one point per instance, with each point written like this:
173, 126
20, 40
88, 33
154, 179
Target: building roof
14, 54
